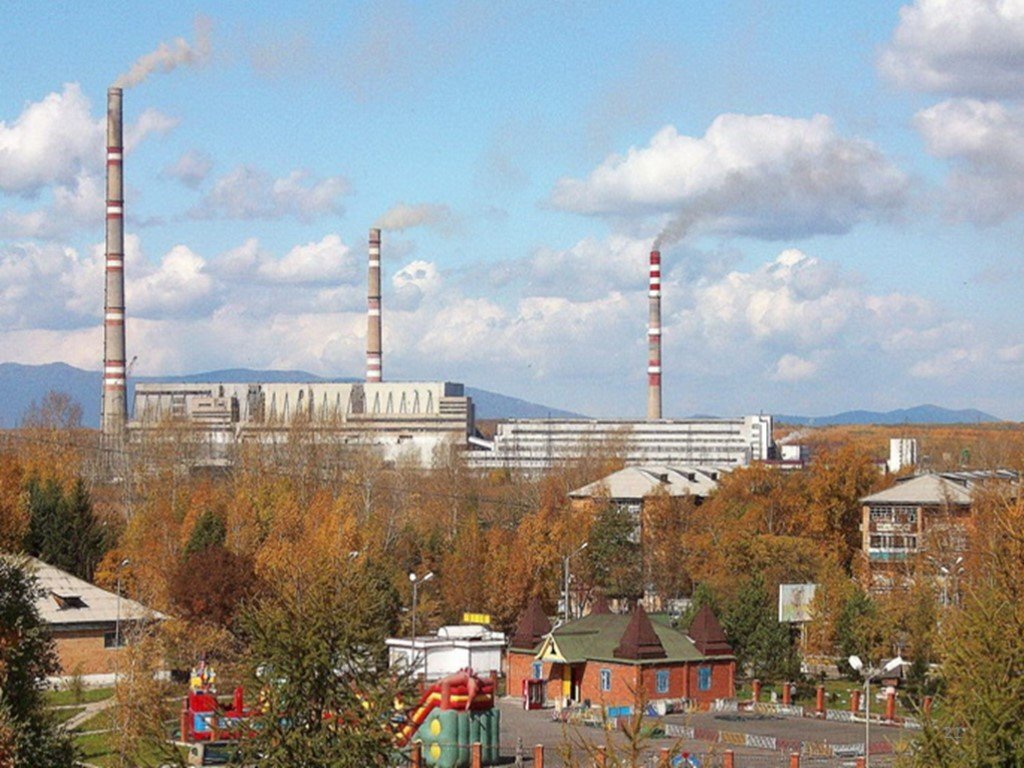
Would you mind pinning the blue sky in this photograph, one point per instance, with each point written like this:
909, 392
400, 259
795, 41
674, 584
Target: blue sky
842, 182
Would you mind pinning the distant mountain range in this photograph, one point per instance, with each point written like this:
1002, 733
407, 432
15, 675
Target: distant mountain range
21, 385
921, 414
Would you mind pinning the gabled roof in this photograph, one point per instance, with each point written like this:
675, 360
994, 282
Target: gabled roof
69, 600
532, 626
596, 636
930, 489
634, 483
707, 634
639, 641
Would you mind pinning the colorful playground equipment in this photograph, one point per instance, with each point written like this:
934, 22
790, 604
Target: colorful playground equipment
204, 718
453, 714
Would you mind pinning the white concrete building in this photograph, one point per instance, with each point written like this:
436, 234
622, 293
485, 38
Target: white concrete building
454, 647
537, 444
902, 453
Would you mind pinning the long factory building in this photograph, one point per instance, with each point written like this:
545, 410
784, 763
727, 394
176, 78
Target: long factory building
538, 444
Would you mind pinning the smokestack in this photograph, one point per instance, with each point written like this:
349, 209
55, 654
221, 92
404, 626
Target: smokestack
654, 339
115, 401
374, 356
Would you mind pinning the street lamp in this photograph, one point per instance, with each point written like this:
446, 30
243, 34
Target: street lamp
416, 581
870, 674
565, 572
117, 618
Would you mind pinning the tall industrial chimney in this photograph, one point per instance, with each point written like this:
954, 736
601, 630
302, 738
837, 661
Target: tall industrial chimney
115, 401
374, 356
654, 340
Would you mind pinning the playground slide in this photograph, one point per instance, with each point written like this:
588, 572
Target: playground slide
462, 691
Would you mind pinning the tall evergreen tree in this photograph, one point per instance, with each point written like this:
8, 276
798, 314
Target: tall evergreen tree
762, 644
63, 530
614, 553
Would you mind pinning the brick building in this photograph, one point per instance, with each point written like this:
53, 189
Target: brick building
88, 624
926, 515
605, 657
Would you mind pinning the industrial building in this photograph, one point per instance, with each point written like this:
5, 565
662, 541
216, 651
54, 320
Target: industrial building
539, 444
404, 419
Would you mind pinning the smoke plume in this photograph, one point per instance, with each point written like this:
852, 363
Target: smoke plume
169, 56
433, 215
728, 196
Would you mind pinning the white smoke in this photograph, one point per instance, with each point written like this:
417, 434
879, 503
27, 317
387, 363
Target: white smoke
169, 56
402, 216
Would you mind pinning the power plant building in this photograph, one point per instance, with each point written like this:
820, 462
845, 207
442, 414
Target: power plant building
402, 418
539, 444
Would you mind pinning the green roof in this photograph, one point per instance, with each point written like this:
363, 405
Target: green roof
595, 638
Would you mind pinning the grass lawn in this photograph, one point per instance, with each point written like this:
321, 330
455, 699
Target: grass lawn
64, 697
66, 713
100, 748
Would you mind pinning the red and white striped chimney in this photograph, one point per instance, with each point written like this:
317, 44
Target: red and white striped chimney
115, 401
374, 353
654, 339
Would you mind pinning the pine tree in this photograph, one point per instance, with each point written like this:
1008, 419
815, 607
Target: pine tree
317, 652
761, 643
63, 530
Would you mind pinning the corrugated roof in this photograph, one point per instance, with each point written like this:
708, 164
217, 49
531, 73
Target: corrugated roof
79, 601
596, 636
930, 489
640, 481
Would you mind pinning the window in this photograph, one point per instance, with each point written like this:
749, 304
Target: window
661, 681
606, 679
704, 678
110, 640
537, 670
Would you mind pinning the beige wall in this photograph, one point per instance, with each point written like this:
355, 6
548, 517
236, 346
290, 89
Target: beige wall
82, 652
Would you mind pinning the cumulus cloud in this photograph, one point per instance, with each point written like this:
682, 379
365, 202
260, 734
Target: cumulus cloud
959, 47
984, 140
414, 281
436, 216
321, 262
191, 169
794, 368
327, 261
53, 141
250, 193
762, 175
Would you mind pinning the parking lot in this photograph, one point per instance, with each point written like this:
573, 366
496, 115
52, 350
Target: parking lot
569, 744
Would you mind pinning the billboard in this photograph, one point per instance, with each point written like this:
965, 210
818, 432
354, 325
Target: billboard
795, 602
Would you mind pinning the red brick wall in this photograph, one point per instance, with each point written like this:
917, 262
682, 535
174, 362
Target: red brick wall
683, 680
520, 667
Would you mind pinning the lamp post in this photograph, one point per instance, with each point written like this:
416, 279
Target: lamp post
117, 617
416, 581
870, 674
565, 573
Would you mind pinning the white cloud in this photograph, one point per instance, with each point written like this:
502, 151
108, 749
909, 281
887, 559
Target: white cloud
250, 193
960, 47
150, 122
984, 140
52, 142
431, 215
177, 285
762, 175
326, 261
794, 368
191, 169
412, 282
